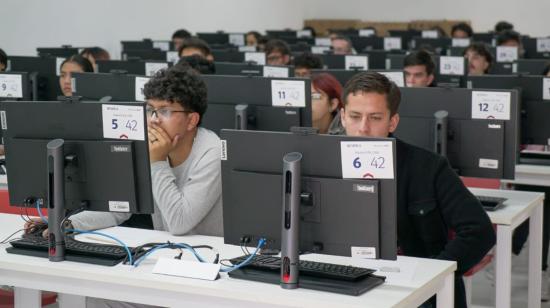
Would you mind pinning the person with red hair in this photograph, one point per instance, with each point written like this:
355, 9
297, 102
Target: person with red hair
326, 93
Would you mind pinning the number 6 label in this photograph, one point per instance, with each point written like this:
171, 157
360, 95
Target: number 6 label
491, 105
123, 122
367, 159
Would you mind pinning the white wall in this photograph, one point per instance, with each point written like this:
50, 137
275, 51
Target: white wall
27, 24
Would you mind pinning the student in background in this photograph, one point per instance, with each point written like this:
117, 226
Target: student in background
195, 46
95, 53
419, 69
277, 52
304, 63
199, 64
479, 58
546, 70
178, 37
341, 45
3, 60
252, 38
431, 198
261, 43
326, 93
509, 38
73, 64
503, 26
461, 30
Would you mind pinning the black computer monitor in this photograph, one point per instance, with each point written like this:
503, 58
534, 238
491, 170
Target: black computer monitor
531, 66
336, 214
477, 142
485, 37
279, 34
15, 86
534, 49
250, 69
109, 87
44, 70
343, 76
366, 43
64, 52
405, 35
135, 67
144, 44
236, 56
450, 71
376, 59
437, 45
144, 54
248, 103
395, 61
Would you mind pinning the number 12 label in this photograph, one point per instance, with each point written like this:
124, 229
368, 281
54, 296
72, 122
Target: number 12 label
123, 122
491, 105
367, 159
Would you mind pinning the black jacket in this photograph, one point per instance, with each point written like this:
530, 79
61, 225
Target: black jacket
432, 201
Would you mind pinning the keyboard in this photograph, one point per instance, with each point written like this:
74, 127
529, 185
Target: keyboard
308, 268
74, 250
491, 203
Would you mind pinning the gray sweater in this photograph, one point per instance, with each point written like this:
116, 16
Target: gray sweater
187, 197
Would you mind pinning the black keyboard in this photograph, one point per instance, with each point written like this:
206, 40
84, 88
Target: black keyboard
308, 268
491, 203
73, 247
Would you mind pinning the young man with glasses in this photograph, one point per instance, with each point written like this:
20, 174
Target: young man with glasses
277, 52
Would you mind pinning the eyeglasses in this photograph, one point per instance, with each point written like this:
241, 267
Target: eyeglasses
316, 96
163, 112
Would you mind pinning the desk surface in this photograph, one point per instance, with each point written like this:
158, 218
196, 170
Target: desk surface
536, 175
126, 283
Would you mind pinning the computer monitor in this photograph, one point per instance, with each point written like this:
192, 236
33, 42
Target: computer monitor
257, 103
477, 130
366, 43
249, 69
109, 87
534, 48
144, 54
395, 61
77, 156
376, 59
530, 66
450, 71
214, 38
64, 52
343, 76
405, 35
281, 33
437, 45
145, 44
235, 56
337, 215
135, 67
484, 37
502, 68
15, 86
43, 70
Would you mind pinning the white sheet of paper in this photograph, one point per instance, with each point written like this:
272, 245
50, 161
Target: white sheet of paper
303, 33
546, 88
186, 268
275, 71
401, 273
236, 39
319, 50
451, 65
507, 54
58, 62
366, 32
11, 85
430, 34
367, 159
172, 56
123, 122
247, 48
460, 42
323, 41
397, 77
391, 43
162, 45
543, 44
288, 93
491, 105
151, 68
257, 57
356, 62
139, 85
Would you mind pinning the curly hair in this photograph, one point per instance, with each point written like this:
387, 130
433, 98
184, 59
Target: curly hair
308, 60
178, 84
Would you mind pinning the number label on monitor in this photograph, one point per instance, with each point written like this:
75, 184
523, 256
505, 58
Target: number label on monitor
247, 48
546, 89
319, 50
367, 159
11, 86
323, 41
151, 68
139, 85
491, 105
357, 62
366, 32
451, 65
391, 43
162, 45
397, 77
543, 44
58, 62
303, 33
257, 57
430, 34
172, 56
123, 122
275, 71
507, 54
288, 93
236, 39
461, 42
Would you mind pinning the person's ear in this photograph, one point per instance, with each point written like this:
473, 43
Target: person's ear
194, 119
394, 121
334, 104
431, 78
343, 117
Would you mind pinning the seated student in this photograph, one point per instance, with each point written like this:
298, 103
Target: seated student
73, 64
95, 53
305, 62
341, 45
178, 37
199, 64
277, 52
195, 46
3, 60
479, 59
461, 30
419, 69
503, 26
326, 93
431, 198
261, 43
252, 38
511, 38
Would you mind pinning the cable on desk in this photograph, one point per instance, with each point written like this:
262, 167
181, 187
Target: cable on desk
170, 246
105, 235
261, 243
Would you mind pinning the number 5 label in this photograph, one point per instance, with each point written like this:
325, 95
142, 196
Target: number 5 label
367, 159
491, 105
123, 122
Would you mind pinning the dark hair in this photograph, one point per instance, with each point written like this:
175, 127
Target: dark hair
369, 82
308, 60
198, 63
182, 34
312, 30
196, 43
483, 50
344, 38
462, 27
503, 26
84, 63
546, 69
97, 53
275, 45
3, 58
178, 84
420, 57
330, 85
440, 31
508, 35
256, 35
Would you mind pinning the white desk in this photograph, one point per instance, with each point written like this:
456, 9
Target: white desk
519, 206
531, 175
124, 283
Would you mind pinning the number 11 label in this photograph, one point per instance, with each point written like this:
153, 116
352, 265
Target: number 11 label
123, 122
288, 93
491, 105
367, 159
